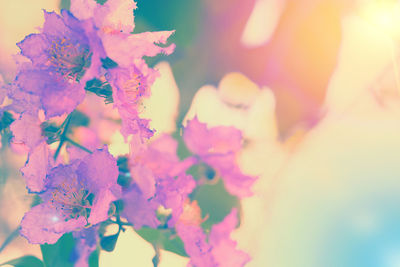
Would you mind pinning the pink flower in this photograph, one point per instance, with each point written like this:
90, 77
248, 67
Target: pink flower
220, 250
75, 196
218, 147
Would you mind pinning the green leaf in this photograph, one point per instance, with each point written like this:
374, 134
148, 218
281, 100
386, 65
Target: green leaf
101, 2
94, 258
164, 239
9, 239
25, 261
108, 243
5, 120
119, 206
215, 202
65, 4
108, 63
169, 15
61, 253
182, 151
124, 177
101, 89
79, 119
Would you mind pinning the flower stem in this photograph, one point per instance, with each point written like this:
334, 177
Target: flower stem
64, 127
72, 142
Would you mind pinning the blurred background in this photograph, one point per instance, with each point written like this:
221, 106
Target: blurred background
315, 87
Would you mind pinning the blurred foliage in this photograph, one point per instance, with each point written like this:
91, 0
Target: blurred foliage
9, 239
5, 120
94, 258
163, 238
159, 15
78, 119
108, 243
60, 254
215, 203
25, 261
65, 4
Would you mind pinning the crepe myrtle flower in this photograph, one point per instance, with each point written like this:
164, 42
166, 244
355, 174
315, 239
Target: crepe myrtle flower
155, 162
159, 181
218, 147
56, 96
75, 197
113, 15
171, 193
65, 45
63, 56
130, 86
139, 210
27, 130
115, 21
213, 249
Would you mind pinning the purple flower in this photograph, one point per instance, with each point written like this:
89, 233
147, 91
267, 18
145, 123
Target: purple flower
37, 167
63, 46
57, 96
127, 49
139, 210
114, 15
26, 130
172, 193
218, 147
194, 239
220, 250
155, 162
196, 246
224, 248
160, 180
64, 55
75, 196
130, 86
22, 102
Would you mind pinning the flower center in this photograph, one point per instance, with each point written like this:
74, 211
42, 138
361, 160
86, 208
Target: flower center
134, 88
71, 201
68, 59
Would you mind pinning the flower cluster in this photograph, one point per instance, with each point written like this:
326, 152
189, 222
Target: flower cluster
82, 189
